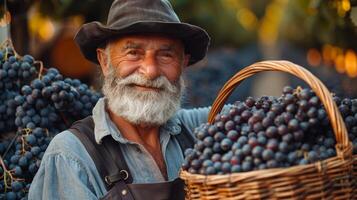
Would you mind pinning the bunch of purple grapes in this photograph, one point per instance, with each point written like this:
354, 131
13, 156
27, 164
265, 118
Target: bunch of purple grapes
33, 108
53, 102
269, 132
21, 160
15, 72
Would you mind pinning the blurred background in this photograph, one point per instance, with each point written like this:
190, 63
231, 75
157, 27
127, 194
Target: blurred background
317, 34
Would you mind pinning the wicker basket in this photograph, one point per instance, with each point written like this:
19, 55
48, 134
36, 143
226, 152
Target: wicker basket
334, 178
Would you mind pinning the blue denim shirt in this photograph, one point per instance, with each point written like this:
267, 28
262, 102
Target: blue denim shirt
68, 172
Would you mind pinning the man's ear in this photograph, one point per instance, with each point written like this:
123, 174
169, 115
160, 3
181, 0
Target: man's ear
103, 60
186, 59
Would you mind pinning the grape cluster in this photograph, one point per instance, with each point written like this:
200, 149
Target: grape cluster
348, 109
53, 102
15, 72
21, 160
34, 107
7, 111
268, 132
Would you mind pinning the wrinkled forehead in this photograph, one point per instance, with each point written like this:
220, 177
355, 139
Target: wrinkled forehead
147, 40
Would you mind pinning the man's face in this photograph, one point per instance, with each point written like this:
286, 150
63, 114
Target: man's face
143, 82
149, 55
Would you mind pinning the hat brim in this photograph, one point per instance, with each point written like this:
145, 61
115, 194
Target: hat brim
94, 34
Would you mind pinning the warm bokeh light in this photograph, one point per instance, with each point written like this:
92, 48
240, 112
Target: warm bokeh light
335, 51
346, 5
343, 61
247, 18
351, 63
326, 53
313, 57
77, 21
340, 63
41, 26
47, 30
269, 28
343, 7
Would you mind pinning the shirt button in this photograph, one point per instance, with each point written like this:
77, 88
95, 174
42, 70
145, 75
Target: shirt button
124, 192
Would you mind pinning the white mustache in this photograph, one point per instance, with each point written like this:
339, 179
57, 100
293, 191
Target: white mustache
161, 82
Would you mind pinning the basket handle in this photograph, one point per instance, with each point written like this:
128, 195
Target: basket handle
317, 86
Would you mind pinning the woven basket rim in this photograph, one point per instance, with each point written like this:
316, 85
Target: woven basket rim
318, 166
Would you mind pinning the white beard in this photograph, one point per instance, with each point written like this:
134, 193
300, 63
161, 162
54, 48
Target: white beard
142, 107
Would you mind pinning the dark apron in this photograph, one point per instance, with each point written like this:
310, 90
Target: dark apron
114, 171
172, 190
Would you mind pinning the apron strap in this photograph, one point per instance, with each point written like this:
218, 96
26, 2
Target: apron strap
102, 154
83, 129
121, 170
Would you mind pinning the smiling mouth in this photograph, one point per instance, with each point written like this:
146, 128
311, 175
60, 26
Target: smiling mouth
144, 87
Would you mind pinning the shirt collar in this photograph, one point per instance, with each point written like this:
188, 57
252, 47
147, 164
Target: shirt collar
105, 126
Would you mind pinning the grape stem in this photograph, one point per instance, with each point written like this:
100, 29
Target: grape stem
23, 145
8, 43
27, 131
11, 143
297, 90
42, 69
2, 165
6, 174
47, 132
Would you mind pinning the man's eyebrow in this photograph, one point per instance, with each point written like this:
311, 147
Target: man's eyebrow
167, 47
131, 45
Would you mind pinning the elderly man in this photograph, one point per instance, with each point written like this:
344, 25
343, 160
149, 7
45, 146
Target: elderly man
131, 147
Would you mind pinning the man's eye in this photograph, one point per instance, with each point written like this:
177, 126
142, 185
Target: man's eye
166, 56
134, 53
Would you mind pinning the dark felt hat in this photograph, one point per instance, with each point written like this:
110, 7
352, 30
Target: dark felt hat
140, 17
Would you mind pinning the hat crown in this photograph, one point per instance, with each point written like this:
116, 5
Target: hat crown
141, 17
126, 12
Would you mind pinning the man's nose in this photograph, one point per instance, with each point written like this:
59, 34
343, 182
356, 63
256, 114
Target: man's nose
150, 68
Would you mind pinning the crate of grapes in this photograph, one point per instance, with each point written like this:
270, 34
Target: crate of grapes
291, 147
